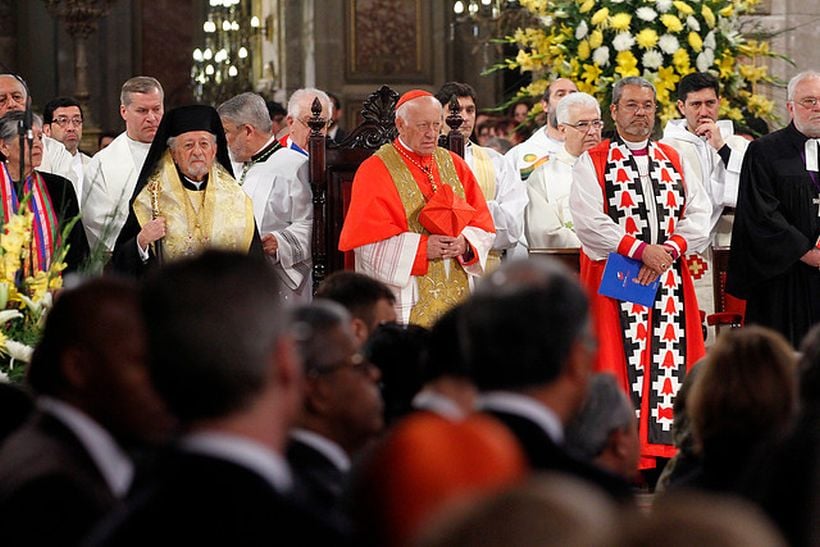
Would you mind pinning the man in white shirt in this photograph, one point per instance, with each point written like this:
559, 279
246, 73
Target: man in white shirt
112, 174
69, 465
276, 179
717, 154
298, 115
502, 188
547, 140
63, 121
56, 159
548, 219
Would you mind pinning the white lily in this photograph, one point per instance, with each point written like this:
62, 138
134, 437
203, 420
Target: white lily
18, 351
8, 315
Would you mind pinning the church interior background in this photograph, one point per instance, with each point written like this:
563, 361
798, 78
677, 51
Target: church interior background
87, 48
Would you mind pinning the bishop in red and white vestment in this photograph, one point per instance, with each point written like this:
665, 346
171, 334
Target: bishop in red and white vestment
624, 197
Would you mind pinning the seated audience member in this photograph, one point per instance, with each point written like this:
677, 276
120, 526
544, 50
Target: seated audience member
527, 341
222, 357
69, 464
789, 492
695, 518
686, 460
342, 409
519, 111
369, 301
548, 511
742, 404
448, 388
399, 352
441, 462
50, 197
605, 431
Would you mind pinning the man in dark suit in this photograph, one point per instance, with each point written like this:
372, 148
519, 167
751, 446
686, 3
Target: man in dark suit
529, 344
69, 464
342, 410
222, 357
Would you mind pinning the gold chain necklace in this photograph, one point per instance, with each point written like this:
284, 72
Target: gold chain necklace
428, 171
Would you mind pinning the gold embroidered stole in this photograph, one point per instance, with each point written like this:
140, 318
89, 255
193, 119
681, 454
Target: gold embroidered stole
438, 292
223, 219
485, 175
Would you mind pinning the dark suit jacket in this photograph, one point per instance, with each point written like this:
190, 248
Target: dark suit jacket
319, 481
202, 500
51, 492
66, 208
544, 455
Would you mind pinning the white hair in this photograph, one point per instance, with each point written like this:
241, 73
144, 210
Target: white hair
805, 75
401, 112
575, 100
302, 99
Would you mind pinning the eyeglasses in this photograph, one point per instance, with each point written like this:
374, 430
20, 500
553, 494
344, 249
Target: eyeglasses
64, 121
585, 125
808, 102
633, 108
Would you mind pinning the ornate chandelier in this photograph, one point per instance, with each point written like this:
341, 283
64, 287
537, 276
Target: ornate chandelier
224, 66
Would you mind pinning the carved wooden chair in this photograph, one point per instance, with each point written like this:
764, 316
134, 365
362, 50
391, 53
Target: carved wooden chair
333, 166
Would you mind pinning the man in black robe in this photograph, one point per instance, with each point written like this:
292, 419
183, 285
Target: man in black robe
775, 258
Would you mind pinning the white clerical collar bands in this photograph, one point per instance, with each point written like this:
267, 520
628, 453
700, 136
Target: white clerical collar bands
810, 152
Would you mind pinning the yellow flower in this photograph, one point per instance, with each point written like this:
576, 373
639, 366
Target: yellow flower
671, 22
627, 64
620, 21
583, 50
647, 38
586, 6
683, 7
760, 106
708, 15
682, 62
726, 65
596, 39
600, 17
727, 11
695, 41
591, 73
2, 341
752, 73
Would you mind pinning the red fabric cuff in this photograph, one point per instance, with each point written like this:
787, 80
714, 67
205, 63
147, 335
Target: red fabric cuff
630, 246
420, 264
677, 243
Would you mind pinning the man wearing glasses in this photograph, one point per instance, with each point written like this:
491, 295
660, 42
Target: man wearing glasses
716, 153
298, 115
548, 220
635, 197
63, 121
776, 237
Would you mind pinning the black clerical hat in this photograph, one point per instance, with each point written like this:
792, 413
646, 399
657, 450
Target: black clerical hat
195, 117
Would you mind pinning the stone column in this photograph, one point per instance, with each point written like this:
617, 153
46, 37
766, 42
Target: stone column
80, 18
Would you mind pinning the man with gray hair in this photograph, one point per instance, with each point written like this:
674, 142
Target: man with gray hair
298, 115
428, 256
633, 198
276, 179
112, 174
548, 222
776, 237
605, 431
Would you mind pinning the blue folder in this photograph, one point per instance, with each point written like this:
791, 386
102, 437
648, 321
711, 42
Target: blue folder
620, 281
